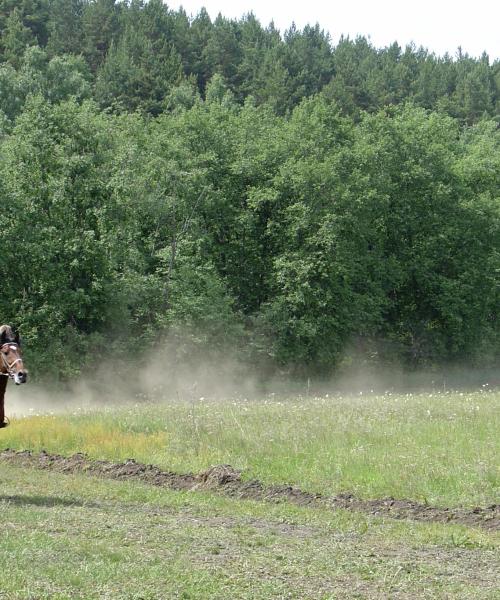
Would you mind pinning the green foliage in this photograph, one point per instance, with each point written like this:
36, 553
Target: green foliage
439, 266
16, 38
65, 27
22, 15
57, 79
11, 93
138, 74
224, 185
56, 235
100, 26
137, 50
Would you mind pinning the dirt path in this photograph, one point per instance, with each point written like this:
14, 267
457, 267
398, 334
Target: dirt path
224, 479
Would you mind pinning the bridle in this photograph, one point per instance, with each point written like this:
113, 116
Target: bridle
9, 366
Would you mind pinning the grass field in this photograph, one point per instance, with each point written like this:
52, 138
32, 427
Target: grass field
440, 449
76, 536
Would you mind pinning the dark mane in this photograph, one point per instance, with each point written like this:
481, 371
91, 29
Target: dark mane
7, 333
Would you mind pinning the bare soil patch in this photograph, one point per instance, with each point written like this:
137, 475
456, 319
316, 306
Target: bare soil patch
227, 480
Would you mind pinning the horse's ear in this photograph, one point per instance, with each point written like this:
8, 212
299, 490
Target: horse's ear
17, 338
3, 338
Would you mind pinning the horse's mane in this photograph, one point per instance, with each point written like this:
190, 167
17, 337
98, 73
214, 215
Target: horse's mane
7, 330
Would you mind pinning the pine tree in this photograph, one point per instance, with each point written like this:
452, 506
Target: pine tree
65, 27
198, 37
99, 27
16, 39
33, 14
223, 52
475, 92
138, 74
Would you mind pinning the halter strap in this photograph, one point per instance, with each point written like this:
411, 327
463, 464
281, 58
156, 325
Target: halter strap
8, 365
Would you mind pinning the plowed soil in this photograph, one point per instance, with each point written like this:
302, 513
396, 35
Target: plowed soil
224, 479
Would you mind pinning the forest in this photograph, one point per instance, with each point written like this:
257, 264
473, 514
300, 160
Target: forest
232, 188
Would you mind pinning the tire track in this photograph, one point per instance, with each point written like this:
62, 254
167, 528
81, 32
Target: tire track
225, 479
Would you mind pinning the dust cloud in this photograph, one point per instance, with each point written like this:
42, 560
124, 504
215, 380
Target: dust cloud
162, 375
168, 375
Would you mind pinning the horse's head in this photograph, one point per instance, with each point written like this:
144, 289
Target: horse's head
11, 362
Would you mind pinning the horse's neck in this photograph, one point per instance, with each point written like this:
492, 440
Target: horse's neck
3, 368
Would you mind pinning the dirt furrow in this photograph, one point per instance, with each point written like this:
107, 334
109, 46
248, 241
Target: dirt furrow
225, 479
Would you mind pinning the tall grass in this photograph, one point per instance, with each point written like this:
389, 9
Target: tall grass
440, 448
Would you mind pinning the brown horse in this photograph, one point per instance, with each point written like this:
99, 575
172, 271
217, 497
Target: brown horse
11, 365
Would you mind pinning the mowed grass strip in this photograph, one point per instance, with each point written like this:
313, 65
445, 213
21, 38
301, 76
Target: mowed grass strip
75, 537
441, 449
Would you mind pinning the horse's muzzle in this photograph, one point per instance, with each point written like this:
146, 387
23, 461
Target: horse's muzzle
20, 377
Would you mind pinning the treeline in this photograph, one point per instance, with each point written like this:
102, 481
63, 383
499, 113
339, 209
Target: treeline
295, 229
143, 56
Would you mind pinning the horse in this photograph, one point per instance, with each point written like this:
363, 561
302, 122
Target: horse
11, 365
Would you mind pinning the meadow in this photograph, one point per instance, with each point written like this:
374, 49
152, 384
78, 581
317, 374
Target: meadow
436, 448
77, 536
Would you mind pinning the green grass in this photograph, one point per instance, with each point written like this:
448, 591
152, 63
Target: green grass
437, 448
76, 537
